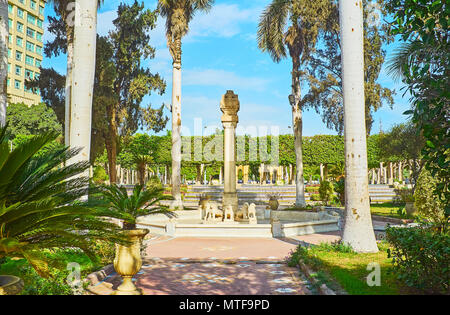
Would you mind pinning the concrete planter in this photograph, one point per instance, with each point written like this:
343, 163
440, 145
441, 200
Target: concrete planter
128, 262
10, 285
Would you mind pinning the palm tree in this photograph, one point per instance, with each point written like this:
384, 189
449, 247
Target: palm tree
141, 202
39, 203
65, 10
358, 229
178, 14
84, 54
4, 34
300, 38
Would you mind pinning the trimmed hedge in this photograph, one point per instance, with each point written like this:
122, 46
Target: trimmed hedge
421, 258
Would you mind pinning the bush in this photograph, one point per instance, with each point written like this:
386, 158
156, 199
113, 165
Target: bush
99, 176
154, 182
420, 258
428, 205
315, 197
404, 194
326, 191
339, 188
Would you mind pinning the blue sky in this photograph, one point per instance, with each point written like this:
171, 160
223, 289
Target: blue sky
220, 53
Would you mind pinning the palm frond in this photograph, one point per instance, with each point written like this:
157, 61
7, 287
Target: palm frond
271, 29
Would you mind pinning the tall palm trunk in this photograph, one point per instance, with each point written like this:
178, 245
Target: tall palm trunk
68, 88
358, 230
4, 35
176, 127
297, 122
84, 46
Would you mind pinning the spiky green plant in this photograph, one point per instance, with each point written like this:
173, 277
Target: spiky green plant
140, 203
41, 203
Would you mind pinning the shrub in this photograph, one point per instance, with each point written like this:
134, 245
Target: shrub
311, 189
428, 205
99, 176
420, 258
326, 191
404, 194
339, 188
154, 183
315, 197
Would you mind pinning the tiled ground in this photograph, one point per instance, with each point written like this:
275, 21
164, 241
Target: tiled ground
241, 277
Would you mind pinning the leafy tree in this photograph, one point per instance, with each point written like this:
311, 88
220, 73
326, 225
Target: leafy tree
402, 143
121, 82
324, 70
31, 120
51, 86
178, 14
422, 65
306, 19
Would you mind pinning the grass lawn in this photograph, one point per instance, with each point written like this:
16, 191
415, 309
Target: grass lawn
56, 284
339, 267
389, 209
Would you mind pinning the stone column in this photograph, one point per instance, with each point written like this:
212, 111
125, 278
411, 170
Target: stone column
229, 106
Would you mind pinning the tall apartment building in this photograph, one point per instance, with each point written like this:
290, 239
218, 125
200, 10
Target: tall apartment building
25, 48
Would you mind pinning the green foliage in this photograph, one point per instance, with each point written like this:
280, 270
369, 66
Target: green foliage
405, 194
339, 188
141, 202
99, 176
51, 85
422, 64
40, 205
122, 82
326, 191
154, 183
420, 258
31, 120
428, 205
324, 70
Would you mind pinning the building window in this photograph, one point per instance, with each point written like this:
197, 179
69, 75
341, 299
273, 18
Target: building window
8, 82
28, 74
30, 32
38, 50
19, 41
33, 4
17, 84
38, 63
30, 46
29, 60
9, 68
19, 27
31, 19
10, 8
39, 36
10, 23
20, 13
41, 10
40, 23
18, 56
9, 52
18, 70
10, 39
22, 1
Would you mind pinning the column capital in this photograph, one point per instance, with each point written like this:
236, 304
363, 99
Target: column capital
229, 105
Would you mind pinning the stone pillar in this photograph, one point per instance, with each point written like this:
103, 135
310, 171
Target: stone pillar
229, 106
221, 175
321, 171
400, 172
391, 174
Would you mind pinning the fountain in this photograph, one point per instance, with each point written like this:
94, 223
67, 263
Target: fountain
213, 219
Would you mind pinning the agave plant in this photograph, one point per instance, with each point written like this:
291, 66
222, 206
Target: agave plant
140, 203
41, 203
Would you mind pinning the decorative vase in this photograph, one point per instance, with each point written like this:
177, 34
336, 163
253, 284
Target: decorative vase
273, 204
410, 208
10, 285
128, 261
